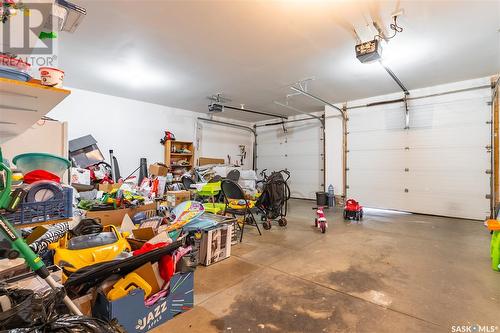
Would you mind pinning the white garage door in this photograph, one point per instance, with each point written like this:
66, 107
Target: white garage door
298, 150
438, 166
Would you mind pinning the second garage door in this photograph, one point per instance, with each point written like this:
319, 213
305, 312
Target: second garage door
298, 150
437, 166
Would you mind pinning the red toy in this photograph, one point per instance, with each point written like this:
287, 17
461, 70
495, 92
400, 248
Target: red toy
353, 210
320, 221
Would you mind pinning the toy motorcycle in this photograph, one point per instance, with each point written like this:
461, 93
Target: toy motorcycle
320, 220
353, 210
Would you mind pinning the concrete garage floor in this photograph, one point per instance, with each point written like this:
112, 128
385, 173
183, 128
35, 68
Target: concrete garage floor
394, 272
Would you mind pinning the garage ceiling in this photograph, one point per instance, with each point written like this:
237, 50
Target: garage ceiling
176, 53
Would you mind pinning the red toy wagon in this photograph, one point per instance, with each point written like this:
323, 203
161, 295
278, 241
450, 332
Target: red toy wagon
353, 210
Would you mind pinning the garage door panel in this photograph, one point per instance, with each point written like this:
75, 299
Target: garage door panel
305, 162
271, 149
376, 180
274, 163
377, 118
388, 139
299, 151
465, 207
445, 114
450, 136
445, 158
466, 159
377, 160
446, 183
300, 184
386, 199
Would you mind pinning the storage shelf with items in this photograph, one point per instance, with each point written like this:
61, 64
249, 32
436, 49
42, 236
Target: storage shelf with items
23, 104
179, 155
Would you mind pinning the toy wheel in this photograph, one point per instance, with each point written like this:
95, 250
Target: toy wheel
322, 226
263, 218
282, 222
316, 222
361, 215
266, 225
248, 220
345, 215
356, 216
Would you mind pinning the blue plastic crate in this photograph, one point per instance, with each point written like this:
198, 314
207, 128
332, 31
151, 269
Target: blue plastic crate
31, 212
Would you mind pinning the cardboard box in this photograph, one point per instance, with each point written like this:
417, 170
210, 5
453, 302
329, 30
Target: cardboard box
115, 216
215, 244
176, 197
33, 282
108, 187
84, 303
158, 169
210, 160
135, 317
80, 176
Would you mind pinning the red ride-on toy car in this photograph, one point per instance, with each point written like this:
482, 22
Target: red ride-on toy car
353, 210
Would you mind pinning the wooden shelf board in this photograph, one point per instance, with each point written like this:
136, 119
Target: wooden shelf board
22, 104
181, 154
180, 166
183, 142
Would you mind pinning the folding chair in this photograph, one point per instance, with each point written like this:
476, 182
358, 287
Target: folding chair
233, 175
232, 191
187, 182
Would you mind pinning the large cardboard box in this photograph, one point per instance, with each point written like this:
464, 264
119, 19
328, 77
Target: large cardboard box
158, 169
115, 216
215, 244
135, 317
109, 187
176, 197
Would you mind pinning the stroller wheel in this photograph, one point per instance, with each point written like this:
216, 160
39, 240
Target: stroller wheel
263, 218
267, 225
282, 222
248, 221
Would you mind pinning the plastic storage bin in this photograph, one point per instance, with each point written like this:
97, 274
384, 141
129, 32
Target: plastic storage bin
41, 161
31, 212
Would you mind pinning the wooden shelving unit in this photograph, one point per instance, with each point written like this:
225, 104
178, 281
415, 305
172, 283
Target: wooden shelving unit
174, 154
22, 104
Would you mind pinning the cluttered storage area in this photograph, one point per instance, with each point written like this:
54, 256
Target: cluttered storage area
249, 166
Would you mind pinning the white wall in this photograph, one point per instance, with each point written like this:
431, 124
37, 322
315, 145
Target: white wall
334, 125
133, 129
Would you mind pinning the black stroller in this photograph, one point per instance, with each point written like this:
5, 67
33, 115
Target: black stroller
273, 203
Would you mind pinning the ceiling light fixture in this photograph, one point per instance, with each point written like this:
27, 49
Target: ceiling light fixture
134, 73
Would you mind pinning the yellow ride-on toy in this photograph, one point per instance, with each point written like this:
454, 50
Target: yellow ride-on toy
73, 253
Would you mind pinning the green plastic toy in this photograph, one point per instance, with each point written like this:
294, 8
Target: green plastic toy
494, 227
495, 251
